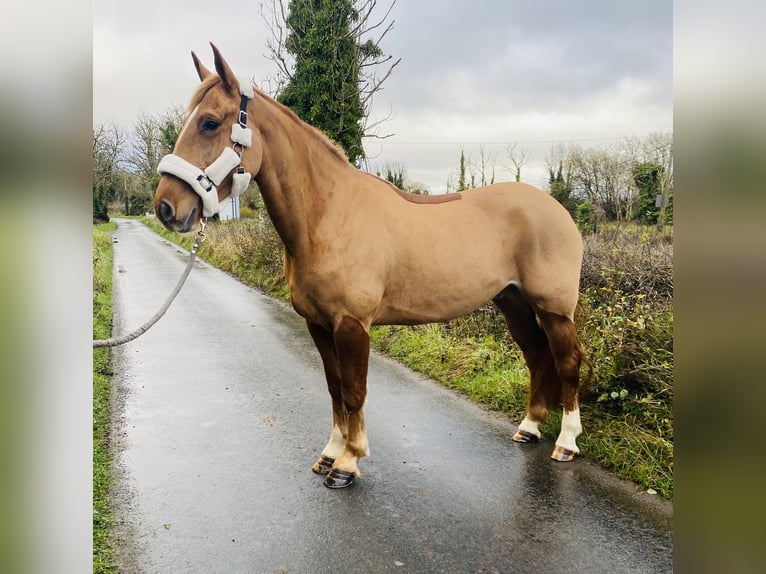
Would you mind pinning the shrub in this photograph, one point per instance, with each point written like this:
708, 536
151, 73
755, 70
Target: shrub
586, 217
626, 326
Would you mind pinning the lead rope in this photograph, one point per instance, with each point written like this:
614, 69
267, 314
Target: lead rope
115, 341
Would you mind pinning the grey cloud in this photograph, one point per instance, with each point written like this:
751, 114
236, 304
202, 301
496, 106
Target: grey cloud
531, 54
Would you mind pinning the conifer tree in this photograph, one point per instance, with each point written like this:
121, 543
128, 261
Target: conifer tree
326, 65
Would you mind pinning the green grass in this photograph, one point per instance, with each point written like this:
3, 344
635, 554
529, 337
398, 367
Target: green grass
625, 325
103, 548
487, 371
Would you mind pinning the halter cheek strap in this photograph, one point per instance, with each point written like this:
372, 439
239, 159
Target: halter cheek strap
205, 182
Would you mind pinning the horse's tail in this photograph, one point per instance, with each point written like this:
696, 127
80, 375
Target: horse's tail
586, 382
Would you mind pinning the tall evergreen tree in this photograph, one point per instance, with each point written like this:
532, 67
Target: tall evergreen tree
560, 189
646, 176
461, 184
324, 87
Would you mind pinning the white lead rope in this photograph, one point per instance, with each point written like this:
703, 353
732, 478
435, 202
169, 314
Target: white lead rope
204, 183
115, 341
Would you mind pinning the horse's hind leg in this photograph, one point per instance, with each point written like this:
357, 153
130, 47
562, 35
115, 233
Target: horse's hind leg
567, 355
544, 383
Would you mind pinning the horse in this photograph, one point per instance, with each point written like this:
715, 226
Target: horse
360, 252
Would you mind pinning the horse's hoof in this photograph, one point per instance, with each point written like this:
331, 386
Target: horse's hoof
525, 436
339, 479
562, 454
323, 464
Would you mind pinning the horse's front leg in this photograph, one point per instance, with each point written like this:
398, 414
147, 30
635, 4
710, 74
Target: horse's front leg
352, 346
345, 355
325, 344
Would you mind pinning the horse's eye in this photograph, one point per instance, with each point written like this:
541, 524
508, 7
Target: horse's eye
210, 126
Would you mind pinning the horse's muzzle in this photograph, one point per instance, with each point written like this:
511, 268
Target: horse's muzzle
167, 215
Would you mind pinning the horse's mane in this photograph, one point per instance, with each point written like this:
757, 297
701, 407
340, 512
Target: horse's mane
316, 134
333, 148
340, 154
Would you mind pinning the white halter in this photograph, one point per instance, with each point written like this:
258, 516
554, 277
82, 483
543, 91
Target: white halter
204, 182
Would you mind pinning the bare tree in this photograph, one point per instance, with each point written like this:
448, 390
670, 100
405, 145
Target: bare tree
108, 146
417, 187
367, 32
170, 122
557, 159
450, 186
559, 165
602, 176
393, 171
518, 156
485, 167
146, 149
153, 138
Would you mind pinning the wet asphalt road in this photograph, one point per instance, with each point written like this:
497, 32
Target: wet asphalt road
221, 409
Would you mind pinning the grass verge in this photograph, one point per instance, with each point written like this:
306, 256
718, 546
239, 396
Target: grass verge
103, 548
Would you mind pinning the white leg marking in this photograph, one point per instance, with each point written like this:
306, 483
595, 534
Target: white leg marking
530, 426
363, 441
336, 444
570, 430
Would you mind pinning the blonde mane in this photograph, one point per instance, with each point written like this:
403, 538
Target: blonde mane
315, 134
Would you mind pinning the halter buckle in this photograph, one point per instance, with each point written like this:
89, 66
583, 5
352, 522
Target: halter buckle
205, 182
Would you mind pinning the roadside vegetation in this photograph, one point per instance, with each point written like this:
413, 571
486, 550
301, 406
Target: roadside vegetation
625, 322
103, 549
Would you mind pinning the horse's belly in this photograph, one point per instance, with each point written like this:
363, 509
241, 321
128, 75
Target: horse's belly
435, 303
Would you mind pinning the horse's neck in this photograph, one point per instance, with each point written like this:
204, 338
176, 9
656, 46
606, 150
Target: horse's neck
295, 178
284, 204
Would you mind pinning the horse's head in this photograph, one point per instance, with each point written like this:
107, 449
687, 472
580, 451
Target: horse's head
215, 154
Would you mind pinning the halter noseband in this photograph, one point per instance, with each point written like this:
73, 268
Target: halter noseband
204, 182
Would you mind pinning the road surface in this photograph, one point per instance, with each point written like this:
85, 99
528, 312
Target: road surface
221, 409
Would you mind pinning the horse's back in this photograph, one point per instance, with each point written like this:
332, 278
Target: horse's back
534, 202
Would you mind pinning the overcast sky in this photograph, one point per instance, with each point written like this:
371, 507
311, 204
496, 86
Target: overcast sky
485, 72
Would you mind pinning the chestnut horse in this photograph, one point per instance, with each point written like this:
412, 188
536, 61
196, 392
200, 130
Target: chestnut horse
359, 252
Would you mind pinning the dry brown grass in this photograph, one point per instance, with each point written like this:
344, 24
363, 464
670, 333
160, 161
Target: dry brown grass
634, 260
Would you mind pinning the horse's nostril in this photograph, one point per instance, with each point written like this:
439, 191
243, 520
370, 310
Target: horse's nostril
167, 213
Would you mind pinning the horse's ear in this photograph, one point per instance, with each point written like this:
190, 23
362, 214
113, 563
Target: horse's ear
202, 71
230, 82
